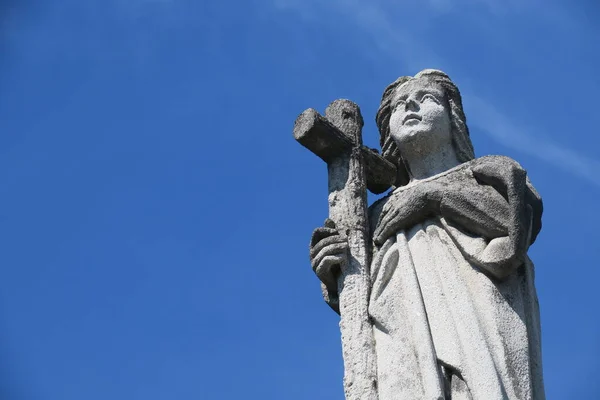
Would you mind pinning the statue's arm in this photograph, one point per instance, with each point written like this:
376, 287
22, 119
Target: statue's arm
502, 207
490, 197
508, 178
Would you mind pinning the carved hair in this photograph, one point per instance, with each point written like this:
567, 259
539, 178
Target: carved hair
458, 122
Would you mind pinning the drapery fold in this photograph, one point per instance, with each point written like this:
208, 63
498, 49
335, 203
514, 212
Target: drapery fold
441, 324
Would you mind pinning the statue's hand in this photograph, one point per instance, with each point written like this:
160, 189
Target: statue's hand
407, 208
328, 254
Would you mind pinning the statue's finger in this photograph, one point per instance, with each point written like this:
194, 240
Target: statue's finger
329, 270
320, 234
323, 243
336, 249
377, 233
379, 237
385, 225
389, 214
386, 210
386, 229
390, 210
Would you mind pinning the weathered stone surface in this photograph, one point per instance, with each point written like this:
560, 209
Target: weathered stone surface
346, 285
320, 136
436, 292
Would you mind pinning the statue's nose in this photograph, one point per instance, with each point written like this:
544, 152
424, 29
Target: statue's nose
411, 105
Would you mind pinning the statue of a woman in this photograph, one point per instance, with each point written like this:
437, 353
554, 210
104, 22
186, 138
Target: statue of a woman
452, 301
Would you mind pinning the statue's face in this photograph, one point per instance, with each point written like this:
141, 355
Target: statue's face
420, 120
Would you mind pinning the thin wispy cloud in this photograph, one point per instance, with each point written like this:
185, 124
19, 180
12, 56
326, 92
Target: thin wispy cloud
498, 127
396, 38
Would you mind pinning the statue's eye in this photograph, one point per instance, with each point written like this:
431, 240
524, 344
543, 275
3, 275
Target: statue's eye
429, 97
399, 103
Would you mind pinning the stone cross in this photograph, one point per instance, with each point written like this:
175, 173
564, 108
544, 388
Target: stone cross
352, 167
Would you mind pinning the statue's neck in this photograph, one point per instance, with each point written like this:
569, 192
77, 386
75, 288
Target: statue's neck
423, 166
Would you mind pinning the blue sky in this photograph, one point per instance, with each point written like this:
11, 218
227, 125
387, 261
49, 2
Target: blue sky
156, 210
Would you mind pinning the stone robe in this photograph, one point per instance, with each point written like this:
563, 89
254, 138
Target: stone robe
445, 326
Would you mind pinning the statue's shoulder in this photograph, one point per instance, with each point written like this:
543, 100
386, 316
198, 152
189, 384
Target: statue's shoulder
503, 163
503, 172
501, 167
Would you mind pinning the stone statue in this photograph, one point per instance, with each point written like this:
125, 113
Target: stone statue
432, 282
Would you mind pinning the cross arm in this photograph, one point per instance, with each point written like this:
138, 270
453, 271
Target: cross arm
320, 136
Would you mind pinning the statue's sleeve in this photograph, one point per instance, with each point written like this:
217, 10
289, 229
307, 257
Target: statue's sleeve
494, 216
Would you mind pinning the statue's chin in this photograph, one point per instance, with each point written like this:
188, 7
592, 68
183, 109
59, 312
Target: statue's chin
420, 139
412, 138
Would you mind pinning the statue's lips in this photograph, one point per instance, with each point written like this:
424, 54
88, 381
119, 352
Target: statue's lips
410, 117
